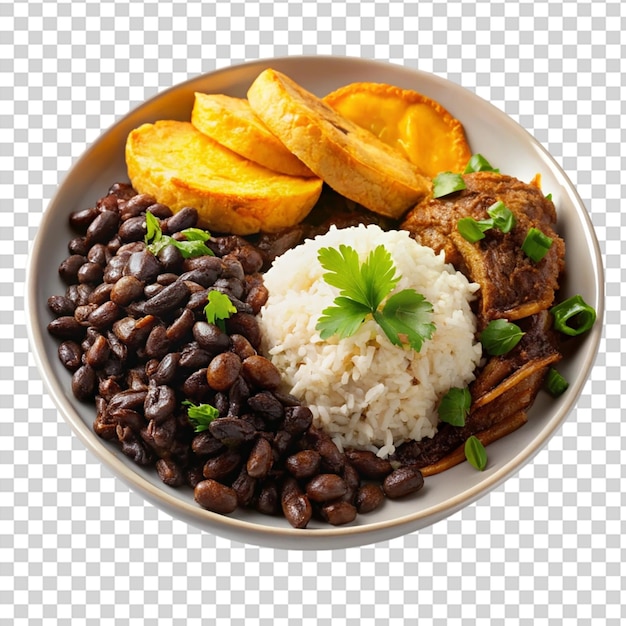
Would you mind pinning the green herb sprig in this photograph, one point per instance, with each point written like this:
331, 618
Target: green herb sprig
405, 317
219, 307
500, 336
191, 247
200, 415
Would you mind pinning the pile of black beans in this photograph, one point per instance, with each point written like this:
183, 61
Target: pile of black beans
135, 337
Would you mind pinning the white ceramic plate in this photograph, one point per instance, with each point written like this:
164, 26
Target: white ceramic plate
489, 131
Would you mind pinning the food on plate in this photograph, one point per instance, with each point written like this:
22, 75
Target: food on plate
315, 352
231, 122
363, 390
513, 286
419, 127
180, 167
351, 160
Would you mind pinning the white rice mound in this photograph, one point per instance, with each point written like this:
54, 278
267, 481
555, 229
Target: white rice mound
364, 391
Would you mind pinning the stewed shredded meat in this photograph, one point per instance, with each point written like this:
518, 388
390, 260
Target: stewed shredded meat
512, 285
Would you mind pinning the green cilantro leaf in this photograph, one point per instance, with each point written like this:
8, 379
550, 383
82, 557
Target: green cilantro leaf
192, 246
343, 319
405, 318
478, 163
455, 406
218, 308
200, 415
406, 314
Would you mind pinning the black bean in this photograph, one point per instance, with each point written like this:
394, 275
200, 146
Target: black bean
108, 387
200, 275
338, 513
250, 258
223, 371
157, 343
369, 497
110, 202
66, 327
89, 273
136, 205
114, 269
232, 287
402, 482
192, 356
205, 444
368, 464
244, 486
123, 191
266, 403
160, 403
170, 473
256, 297
118, 349
84, 383
68, 269
61, 305
70, 354
221, 466
298, 419
126, 289
261, 458
208, 264
80, 220
232, 267
170, 258
133, 332
261, 372
159, 210
151, 290
104, 315
133, 229
232, 431
353, 482
143, 265
101, 294
181, 327
295, 505
168, 299
210, 337
102, 228
127, 417
83, 311
282, 442
166, 370
167, 278
215, 497
268, 500
132, 446
78, 245
241, 346
326, 487
99, 254
98, 352
195, 387
185, 218
245, 324
127, 399
303, 464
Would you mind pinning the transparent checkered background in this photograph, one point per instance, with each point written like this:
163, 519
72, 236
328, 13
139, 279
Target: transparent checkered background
78, 548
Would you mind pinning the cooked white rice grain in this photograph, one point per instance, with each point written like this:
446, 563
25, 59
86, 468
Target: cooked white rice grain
364, 391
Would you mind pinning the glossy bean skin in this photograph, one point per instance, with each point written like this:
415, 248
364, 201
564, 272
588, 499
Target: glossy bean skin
134, 338
402, 482
216, 497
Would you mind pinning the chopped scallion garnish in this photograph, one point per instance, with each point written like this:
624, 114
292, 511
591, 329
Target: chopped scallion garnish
555, 383
478, 163
472, 230
536, 244
502, 216
573, 316
447, 183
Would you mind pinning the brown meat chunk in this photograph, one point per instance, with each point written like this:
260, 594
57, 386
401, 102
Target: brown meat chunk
512, 285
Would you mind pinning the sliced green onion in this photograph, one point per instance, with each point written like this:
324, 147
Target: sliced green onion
471, 229
536, 244
555, 383
503, 218
500, 336
475, 452
577, 312
455, 405
478, 163
447, 183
